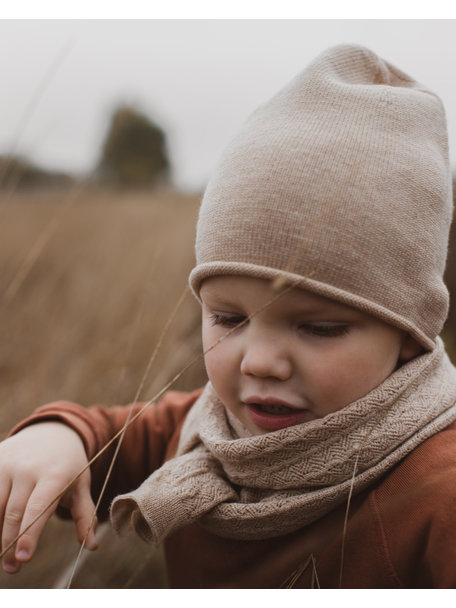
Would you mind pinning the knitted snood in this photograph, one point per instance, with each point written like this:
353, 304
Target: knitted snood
268, 485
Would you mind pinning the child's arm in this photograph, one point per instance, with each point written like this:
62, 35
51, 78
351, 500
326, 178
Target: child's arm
147, 443
36, 464
44, 455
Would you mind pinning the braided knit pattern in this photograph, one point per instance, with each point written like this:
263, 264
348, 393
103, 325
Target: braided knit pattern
268, 485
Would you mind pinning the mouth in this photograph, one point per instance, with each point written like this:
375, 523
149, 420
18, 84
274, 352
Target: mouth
272, 415
273, 408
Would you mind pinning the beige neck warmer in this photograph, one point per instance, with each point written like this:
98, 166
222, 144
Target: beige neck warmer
268, 485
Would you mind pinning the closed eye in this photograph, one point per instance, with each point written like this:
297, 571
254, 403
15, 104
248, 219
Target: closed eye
226, 320
325, 330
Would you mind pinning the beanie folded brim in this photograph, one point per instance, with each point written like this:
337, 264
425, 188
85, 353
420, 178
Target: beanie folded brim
284, 279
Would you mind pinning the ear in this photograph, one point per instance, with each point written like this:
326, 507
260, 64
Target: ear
410, 348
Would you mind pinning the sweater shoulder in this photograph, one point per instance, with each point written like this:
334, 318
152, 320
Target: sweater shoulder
430, 465
415, 510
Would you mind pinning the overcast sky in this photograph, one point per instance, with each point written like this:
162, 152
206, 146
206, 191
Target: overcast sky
198, 79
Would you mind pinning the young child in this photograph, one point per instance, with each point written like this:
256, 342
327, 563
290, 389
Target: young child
322, 452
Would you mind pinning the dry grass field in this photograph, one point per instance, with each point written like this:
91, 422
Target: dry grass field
88, 282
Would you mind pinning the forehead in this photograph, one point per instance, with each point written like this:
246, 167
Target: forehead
244, 291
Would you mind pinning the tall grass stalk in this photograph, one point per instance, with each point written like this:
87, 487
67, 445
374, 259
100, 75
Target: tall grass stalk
32, 104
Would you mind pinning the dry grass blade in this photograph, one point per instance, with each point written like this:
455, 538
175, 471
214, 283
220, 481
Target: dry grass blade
13, 288
382, 414
291, 581
160, 341
344, 531
142, 410
103, 449
294, 577
119, 443
76, 307
315, 580
44, 83
38, 246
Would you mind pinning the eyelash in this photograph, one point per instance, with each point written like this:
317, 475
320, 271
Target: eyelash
225, 320
321, 331
326, 331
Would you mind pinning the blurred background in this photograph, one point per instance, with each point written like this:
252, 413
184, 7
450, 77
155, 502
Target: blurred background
198, 79
109, 131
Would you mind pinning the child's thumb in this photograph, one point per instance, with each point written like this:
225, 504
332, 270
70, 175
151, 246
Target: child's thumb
83, 514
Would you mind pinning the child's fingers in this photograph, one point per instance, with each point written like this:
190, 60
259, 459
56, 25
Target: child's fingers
39, 499
5, 488
82, 512
12, 520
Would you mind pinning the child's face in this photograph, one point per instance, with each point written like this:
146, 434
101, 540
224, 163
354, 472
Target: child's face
299, 359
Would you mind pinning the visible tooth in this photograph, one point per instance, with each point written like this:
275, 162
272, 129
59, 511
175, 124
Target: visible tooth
275, 409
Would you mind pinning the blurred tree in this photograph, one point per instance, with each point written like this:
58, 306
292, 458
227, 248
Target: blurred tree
18, 173
134, 151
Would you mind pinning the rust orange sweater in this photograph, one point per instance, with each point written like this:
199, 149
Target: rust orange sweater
401, 533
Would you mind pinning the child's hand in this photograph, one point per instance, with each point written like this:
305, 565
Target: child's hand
35, 465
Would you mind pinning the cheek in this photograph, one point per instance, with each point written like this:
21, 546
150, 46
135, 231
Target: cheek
210, 335
218, 360
221, 371
214, 366
336, 380
341, 378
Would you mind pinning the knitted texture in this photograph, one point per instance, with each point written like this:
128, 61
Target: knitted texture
268, 485
340, 182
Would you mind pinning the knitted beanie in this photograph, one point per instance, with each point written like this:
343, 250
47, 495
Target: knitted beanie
341, 184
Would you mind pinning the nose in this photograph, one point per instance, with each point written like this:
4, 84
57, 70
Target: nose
265, 357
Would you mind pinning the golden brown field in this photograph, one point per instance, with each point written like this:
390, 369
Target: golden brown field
88, 283
87, 287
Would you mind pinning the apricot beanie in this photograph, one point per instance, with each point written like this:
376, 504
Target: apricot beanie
341, 184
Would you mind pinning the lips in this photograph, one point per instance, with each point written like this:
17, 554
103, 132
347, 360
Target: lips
273, 414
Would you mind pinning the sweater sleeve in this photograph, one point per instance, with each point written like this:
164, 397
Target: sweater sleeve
149, 440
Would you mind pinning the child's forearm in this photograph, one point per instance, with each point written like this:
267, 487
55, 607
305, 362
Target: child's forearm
145, 445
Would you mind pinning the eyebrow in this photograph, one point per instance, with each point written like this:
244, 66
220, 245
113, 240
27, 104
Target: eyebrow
214, 298
219, 296
219, 299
